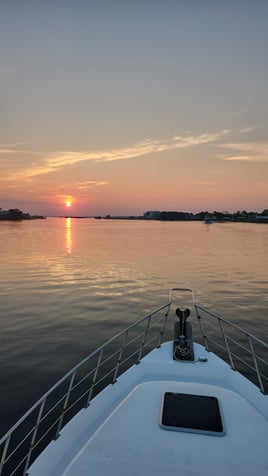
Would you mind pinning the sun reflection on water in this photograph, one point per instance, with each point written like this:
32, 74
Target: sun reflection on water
68, 234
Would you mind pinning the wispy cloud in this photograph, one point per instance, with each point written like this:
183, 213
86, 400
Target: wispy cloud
15, 148
187, 141
245, 130
249, 152
6, 151
89, 184
63, 159
239, 158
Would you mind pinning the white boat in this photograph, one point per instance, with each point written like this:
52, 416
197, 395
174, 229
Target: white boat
179, 410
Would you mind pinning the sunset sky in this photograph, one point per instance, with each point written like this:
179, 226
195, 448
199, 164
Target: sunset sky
119, 107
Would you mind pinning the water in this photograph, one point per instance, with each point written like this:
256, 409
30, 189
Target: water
66, 285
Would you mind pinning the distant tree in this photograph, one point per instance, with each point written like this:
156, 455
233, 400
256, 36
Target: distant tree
173, 216
219, 215
202, 214
15, 214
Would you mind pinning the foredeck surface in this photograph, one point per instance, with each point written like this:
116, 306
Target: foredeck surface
120, 433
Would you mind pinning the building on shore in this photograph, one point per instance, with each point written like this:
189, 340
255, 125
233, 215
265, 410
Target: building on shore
152, 214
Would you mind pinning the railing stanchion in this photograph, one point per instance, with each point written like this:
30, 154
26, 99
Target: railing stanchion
34, 437
161, 335
65, 405
226, 344
144, 339
4, 453
120, 356
94, 378
204, 337
255, 363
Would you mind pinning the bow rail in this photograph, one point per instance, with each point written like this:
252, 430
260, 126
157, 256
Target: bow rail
44, 421
245, 353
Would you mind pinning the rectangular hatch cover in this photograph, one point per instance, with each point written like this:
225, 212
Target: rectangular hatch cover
191, 413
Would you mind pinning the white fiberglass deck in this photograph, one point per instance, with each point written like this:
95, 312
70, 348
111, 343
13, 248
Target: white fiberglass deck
119, 433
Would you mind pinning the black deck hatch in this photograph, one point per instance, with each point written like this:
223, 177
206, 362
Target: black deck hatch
194, 413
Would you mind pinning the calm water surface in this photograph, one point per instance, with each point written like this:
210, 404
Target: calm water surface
68, 284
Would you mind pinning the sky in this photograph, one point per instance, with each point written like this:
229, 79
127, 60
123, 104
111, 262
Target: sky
119, 107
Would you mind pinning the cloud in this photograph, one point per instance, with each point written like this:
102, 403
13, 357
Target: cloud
188, 141
245, 130
15, 148
249, 152
89, 184
61, 159
239, 158
8, 151
100, 184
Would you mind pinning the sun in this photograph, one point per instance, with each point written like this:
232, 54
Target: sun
68, 204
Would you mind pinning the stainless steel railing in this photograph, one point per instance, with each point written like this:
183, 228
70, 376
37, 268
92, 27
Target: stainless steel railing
44, 421
244, 352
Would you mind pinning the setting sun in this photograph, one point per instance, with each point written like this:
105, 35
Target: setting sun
68, 204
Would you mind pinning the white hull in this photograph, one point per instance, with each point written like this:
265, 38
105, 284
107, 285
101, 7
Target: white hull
119, 433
